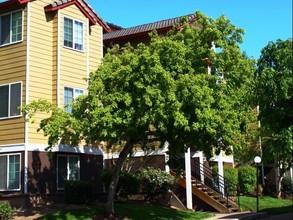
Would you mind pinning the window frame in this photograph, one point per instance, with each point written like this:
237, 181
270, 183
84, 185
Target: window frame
7, 172
67, 168
73, 97
11, 27
9, 100
74, 34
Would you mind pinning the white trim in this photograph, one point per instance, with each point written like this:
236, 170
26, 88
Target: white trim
12, 147
88, 52
58, 58
9, 99
10, 40
67, 168
102, 43
27, 94
73, 33
7, 172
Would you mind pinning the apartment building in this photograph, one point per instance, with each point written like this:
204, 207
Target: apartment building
47, 50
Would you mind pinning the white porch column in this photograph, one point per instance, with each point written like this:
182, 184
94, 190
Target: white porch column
201, 166
188, 180
166, 148
221, 172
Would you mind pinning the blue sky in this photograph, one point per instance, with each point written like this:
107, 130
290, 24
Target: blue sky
262, 20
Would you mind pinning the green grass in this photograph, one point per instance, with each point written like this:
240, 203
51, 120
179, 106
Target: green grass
141, 211
267, 204
130, 211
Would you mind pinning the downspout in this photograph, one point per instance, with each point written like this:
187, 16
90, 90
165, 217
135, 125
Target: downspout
27, 96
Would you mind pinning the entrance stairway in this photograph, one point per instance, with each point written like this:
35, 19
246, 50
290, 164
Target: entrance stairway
221, 198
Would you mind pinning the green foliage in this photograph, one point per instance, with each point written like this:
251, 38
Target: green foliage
6, 211
247, 179
162, 92
79, 192
145, 180
287, 184
275, 97
231, 179
155, 180
129, 183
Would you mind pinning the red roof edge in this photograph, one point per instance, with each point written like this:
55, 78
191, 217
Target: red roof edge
93, 17
11, 2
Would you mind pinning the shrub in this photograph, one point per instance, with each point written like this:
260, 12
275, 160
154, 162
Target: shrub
6, 211
287, 184
231, 179
106, 178
129, 183
247, 179
155, 180
78, 192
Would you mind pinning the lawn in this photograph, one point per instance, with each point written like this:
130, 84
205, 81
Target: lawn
267, 204
141, 211
128, 211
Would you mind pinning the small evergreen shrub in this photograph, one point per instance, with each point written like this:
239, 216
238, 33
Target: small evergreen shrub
247, 179
155, 180
129, 183
79, 192
6, 211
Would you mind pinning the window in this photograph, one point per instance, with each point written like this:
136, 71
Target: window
73, 34
10, 100
10, 172
11, 28
68, 169
69, 95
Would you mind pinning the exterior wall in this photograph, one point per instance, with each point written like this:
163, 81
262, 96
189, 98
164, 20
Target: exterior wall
41, 62
95, 47
134, 163
12, 69
73, 63
42, 175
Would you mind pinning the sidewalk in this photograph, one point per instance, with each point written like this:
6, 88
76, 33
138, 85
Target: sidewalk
251, 216
240, 216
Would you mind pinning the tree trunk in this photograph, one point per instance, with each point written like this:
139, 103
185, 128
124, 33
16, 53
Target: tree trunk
115, 178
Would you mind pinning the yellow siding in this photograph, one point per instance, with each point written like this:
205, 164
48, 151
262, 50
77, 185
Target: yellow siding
95, 47
41, 63
43, 69
73, 64
12, 69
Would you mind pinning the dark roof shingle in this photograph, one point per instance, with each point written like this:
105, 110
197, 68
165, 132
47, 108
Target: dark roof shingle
164, 24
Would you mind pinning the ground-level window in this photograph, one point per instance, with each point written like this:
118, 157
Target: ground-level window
10, 172
69, 95
10, 100
68, 169
11, 28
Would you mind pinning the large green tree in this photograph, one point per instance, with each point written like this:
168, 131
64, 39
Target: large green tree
274, 90
162, 92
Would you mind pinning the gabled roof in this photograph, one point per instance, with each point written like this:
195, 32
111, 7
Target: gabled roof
160, 26
11, 2
83, 6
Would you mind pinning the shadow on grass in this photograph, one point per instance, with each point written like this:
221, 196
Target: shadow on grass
129, 211
278, 210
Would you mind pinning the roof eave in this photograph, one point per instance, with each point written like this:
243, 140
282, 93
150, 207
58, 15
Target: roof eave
159, 30
92, 18
11, 2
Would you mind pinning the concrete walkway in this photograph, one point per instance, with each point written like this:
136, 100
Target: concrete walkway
251, 216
